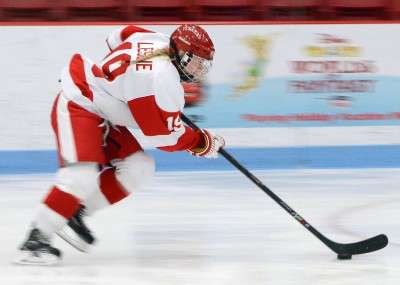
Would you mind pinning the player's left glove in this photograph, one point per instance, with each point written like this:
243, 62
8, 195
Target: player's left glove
209, 145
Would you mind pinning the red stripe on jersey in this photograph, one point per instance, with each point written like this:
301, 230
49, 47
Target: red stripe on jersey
110, 187
62, 202
130, 30
153, 121
122, 46
189, 140
77, 72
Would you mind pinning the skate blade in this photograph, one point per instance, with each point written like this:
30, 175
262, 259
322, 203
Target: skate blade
70, 237
31, 258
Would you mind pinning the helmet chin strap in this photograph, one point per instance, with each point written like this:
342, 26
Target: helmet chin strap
176, 60
183, 76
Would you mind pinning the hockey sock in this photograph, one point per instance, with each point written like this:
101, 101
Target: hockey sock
111, 192
58, 206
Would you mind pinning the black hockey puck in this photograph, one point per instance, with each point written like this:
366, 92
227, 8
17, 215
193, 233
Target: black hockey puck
344, 256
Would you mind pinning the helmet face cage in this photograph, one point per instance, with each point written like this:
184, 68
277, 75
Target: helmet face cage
194, 67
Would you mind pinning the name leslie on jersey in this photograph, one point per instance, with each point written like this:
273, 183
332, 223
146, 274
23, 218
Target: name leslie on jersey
143, 49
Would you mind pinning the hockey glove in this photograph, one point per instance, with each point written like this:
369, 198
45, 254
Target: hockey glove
209, 145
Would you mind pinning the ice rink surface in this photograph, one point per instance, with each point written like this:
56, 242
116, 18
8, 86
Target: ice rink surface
217, 228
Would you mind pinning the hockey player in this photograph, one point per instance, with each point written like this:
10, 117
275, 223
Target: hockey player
138, 85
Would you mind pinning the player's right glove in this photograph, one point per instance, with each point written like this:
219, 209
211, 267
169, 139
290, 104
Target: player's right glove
208, 146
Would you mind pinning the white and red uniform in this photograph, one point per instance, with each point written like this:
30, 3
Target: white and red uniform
147, 95
91, 116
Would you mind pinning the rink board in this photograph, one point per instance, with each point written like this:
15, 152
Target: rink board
376, 156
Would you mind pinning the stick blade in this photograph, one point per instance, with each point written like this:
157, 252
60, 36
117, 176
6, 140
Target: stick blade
369, 245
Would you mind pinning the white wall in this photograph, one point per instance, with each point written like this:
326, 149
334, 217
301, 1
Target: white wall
32, 56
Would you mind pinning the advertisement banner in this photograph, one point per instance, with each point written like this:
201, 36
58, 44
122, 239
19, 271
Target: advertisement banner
304, 75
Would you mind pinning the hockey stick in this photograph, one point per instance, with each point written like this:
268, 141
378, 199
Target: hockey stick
343, 250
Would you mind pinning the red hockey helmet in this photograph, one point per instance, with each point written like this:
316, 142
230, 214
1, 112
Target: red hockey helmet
194, 51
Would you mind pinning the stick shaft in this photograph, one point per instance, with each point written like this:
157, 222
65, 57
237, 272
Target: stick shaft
264, 188
364, 246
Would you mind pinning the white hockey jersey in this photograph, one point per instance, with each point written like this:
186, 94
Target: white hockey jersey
145, 94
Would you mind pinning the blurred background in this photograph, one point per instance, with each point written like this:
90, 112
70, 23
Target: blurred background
294, 84
305, 92
199, 10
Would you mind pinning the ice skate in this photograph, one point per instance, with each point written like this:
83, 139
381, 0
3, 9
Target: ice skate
36, 250
76, 233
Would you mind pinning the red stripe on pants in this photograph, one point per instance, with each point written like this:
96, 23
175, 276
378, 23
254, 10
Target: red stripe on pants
62, 203
88, 135
111, 188
54, 124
